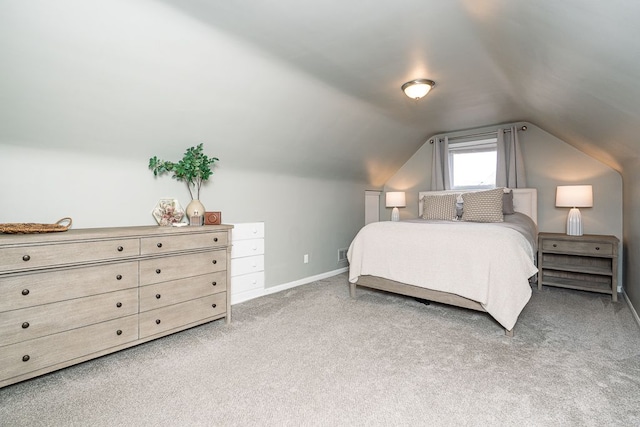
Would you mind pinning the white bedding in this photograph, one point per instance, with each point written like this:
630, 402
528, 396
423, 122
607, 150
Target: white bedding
482, 262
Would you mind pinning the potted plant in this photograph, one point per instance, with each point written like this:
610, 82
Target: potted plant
194, 169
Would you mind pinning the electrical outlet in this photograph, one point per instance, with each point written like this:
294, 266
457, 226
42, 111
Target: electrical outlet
306, 258
342, 254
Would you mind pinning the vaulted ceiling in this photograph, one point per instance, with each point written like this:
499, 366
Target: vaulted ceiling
572, 67
313, 88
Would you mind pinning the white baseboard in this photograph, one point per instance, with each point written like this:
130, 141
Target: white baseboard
246, 296
633, 309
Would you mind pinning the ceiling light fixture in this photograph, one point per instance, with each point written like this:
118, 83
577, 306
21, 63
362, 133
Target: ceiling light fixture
416, 89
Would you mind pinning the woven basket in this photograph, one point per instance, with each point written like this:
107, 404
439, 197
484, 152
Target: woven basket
30, 227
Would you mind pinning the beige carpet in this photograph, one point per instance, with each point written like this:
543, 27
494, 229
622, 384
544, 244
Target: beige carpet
313, 356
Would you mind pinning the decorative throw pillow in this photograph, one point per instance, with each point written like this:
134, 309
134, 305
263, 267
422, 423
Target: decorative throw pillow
507, 203
439, 207
483, 206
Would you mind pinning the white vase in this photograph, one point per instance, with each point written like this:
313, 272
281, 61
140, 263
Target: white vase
195, 208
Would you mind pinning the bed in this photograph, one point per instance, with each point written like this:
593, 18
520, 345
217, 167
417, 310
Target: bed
484, 266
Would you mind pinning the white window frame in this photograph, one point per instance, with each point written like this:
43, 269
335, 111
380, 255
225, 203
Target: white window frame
470, 146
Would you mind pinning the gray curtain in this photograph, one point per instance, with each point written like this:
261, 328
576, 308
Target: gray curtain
510, 168
440, 174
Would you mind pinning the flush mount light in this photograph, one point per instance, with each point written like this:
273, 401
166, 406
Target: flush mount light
416, 89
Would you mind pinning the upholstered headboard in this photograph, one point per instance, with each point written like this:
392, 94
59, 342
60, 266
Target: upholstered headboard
525, 200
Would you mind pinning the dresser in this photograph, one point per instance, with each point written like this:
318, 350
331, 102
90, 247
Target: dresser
247, 261
72, 296
586, 263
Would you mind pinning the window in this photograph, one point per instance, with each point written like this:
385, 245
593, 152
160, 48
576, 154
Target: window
473, 163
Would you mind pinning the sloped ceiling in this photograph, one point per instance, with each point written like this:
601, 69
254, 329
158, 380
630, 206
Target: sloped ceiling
571, 67
313, 88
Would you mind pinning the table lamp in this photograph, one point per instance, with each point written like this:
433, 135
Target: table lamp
395, 200
574, 197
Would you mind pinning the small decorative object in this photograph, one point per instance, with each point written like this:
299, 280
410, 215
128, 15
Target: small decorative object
212, 218
168, 212
193, 169
30, 227
196, 219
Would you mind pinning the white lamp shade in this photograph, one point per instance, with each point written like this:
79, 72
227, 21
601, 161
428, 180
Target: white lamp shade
396, 199
574, 196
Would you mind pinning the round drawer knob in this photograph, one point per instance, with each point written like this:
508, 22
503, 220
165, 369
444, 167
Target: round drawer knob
215, 239
597, 248
158, 271
159, 245
26, 258
555, 246
25, 358
214, 283
119, 304
25, 292
214, 261
157, 321
118, 332
119, 277
25, 325
214, 305
158, 296
120, 249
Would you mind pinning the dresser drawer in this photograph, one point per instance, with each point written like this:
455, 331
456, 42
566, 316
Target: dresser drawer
165, 244
243, 248
24, 357
247, 265
248, 230
175, 291
581, 248
175, 316
39, 256
176, 267
35, 322
43, 288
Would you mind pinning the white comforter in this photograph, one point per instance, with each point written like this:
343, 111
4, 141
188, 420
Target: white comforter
482, 262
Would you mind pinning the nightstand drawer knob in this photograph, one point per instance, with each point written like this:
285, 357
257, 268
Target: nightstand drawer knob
119, 277
214, 283
158, 271
214, 305
159, 245
158, 296
597, 248
555, 246
118, 332
120, 248
25, 292
26, 258
157, 321
25, 358
118, 304
215, 239
214, 261
25, 325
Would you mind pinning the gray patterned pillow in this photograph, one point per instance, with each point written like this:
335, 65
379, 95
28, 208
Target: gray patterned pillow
483, 206
439, 207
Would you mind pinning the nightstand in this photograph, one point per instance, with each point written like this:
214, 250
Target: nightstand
586, 263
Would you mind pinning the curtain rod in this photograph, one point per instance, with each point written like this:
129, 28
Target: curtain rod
523, 128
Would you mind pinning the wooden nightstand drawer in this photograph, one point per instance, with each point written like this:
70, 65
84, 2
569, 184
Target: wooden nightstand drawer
583, 248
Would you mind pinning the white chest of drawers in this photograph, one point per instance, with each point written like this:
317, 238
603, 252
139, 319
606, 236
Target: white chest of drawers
69, 297
247, 261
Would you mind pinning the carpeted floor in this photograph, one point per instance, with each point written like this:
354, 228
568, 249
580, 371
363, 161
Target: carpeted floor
314, 356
